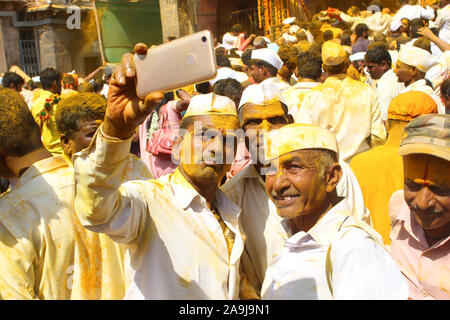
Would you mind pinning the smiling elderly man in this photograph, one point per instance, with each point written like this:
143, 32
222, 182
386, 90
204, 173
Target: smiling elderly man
420, 213
331, 255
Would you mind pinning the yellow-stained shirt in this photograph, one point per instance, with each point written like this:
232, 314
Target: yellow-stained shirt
177, 246
49, 131
45, 252
380, 173
294, 96
347, 108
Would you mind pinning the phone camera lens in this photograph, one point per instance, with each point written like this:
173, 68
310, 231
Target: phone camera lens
204, 39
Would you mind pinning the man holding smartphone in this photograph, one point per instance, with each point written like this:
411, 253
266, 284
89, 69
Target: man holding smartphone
182, 232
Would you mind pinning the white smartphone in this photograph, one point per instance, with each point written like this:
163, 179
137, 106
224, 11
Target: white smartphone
178, 63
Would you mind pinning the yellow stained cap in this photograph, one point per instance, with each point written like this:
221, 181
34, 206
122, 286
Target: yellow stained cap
211, 104
298, 136
333, 53
417, 57
409, 105
261, 94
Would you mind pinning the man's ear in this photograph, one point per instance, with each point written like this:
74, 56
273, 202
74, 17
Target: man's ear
65, 144
333, 175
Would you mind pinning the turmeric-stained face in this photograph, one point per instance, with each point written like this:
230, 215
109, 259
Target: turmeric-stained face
81, 138
403, 72
258, 119
296, 186
427, 192
208, 148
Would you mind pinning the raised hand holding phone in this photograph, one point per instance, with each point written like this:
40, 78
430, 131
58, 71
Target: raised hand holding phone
125, 110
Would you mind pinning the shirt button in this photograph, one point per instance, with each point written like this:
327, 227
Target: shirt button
428, 254
424, 293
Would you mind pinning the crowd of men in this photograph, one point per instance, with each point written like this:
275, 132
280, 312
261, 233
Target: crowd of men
313, 166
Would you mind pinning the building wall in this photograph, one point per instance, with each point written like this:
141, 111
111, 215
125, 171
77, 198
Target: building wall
10, 36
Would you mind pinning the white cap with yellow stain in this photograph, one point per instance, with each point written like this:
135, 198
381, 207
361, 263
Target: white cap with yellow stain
261, 94
416, 57
211, 104
298, 136
268, 56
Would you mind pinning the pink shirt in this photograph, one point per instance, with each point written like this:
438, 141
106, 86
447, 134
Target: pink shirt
241, 160
162, 164
426, 268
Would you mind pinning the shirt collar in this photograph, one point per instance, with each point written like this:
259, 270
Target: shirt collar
41, 167
183, 190
185, 194
325, 228
418, 83
306, 85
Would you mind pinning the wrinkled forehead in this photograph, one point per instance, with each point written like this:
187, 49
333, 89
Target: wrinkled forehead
218, 122
261, 111
427, 169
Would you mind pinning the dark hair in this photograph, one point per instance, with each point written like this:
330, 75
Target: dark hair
230, 88
340, 68
223, 61
328, 35
19, 133
221, 50
47, 76
204, 87
289, 56
423, 43
233, 53
360, 29
414, 27
309, 65
82, 106
346, 39
261, 63
247, 57
236, 28
12, 78
378, 54
445, 88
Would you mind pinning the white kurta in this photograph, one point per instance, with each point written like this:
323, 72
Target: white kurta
387, 89
412, 12
177, 247
360, 267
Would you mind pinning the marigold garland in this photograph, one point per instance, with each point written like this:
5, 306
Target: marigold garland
48, 106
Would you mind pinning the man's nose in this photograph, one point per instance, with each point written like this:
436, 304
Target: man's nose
425, 199
280, 182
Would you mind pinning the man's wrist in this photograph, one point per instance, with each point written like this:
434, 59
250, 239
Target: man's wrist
109, 128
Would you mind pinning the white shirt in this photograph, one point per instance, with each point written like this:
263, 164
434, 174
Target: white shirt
439, 72
294, 95
360, 267
421, 85
387, 89
442, 22
265, 230
228, 41
279, 83
412, 12
177, 249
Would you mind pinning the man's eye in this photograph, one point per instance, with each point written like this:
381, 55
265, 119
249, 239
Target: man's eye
413, 186
443, 192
